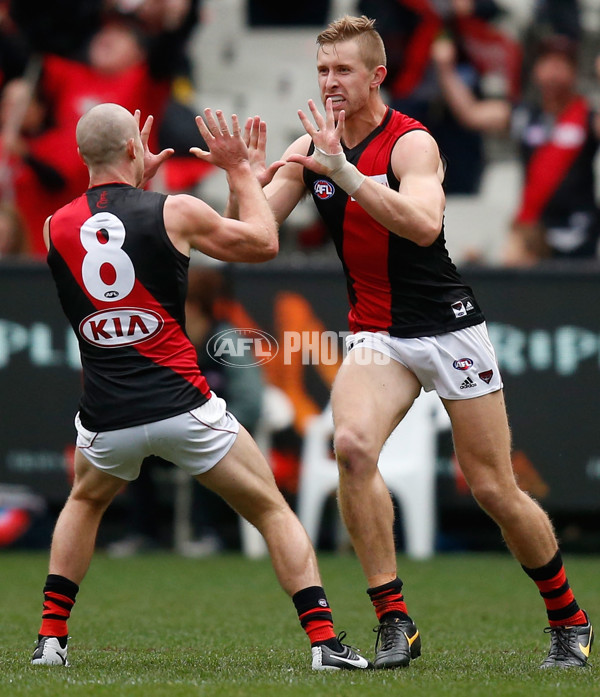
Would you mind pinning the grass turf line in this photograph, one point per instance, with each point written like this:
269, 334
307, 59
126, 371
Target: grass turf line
161, 625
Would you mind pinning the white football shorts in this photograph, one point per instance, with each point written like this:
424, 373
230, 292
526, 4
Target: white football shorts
457, 365
195, 441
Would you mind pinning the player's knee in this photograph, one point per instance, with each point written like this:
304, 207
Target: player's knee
493, 495
354, 450
92, 498
485, 495
269, 514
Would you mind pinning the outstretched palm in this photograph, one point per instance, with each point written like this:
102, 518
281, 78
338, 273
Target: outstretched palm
225, 149
151, 161
255, 137
326, 135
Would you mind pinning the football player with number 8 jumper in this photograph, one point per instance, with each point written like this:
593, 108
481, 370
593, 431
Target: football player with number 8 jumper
376, 176
119, 257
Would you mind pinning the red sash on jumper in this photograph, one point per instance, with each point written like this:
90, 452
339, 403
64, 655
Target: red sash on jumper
550, 162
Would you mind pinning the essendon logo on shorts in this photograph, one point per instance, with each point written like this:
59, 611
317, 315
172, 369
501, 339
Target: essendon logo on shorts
462, 364
486, 376
122, 327
324, 189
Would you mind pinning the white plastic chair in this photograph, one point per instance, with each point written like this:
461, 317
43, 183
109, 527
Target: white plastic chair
407, 464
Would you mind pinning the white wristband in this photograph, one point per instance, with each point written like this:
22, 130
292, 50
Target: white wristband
343, 173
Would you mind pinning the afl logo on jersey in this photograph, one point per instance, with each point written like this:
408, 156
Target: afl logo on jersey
122, 327
324, 189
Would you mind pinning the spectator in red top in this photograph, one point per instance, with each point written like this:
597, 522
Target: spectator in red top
130, 60
558, 216
408, 29
32, 175
117, 71
50, 172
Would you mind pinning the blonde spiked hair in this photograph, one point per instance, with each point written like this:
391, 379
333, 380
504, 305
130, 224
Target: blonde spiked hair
363, 30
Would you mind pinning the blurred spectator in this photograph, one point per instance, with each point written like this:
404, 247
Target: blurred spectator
92, 52
13, 241
177, 128
215, 525
558, 138
117, 70
550, 18
46, 169
33, 165
408, 29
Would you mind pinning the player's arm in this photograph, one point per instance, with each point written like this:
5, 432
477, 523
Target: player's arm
191, 222
416, 210
485, 115
287, 188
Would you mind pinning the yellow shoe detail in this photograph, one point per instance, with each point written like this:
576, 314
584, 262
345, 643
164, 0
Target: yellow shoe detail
585, 650
416, 635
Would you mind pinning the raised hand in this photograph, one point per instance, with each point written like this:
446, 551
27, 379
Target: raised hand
328, 157
255, 137
443, 53
226, 149
326, 134
151, 161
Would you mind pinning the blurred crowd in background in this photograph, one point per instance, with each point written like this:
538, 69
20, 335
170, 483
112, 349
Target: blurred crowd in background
485, 76
58, 60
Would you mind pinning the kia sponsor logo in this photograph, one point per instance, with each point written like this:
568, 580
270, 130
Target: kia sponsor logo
122, 327
462, 364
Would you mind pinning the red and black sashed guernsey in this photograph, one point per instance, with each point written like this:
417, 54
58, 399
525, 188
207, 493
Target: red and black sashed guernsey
394, 285
122, 285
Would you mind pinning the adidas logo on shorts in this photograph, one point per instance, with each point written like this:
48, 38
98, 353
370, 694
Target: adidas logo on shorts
468, 383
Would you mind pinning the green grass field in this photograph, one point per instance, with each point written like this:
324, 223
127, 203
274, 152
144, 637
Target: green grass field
161, 625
